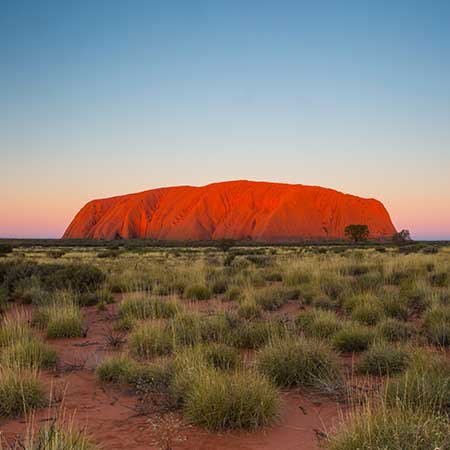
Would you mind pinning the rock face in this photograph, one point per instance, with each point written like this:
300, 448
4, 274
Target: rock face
260, 211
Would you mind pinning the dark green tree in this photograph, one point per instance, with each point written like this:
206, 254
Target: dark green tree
357, 232
402, 237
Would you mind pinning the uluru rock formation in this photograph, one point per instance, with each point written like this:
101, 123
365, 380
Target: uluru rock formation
260, 211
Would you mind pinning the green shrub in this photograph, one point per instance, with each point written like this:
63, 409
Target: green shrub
391, 429
149, 340
62, 319
383, 359
232, 293
394, 330
332, 287
116, 369
300, 362
254, 334
20, 392
141, 308
249, 310
324, 302
437, 325
353, 338
219, 286
368, 313
153, 377
425, 385
318, 323
220, 401
220, 356
198, 292
13, 330
440, 279
28, 353
296, 277
57, 437
396, 308
6, 249
273, 297
186, 328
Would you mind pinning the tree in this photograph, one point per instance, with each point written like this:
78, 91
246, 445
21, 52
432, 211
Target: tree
225, 244
357, 232
402, 237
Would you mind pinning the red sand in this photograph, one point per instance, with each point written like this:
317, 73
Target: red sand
260, 211
108, 412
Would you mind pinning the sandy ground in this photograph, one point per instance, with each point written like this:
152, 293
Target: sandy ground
112, 416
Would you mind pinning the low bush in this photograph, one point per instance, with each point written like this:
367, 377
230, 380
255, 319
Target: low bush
116, 369
58, 437
233, 293
391, 429
425, 385
28, 353
318, 323
300, 362
220, 356
20, 392
437, 325
273, 297
220, 401
394, 330
149, 340
368, 313
353, 337
141, 308
440, 279
249, 310
14, 329
61, 318
383, 359
254, 334
197, 292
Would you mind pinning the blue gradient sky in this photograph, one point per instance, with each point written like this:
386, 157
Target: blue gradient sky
99, 98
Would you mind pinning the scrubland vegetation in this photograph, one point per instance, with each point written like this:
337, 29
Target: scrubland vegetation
221, 335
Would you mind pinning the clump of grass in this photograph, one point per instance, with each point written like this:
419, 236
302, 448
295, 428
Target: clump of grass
198, 292
394, 330
324, 302
254, 334
383, 359
319, 323
353, 338
141, 308
389, 429
270, 298
440, 279
367, 313
425, 385
149, 340
61, 318
395, 307
296, 277
57, 436
221, 356
13, 330
249, 310
145, 377
220, 401
20, 391
437, 325
299, 362
28, 353
116, 369
232, 293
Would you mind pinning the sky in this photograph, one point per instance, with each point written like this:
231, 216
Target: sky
100, 98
